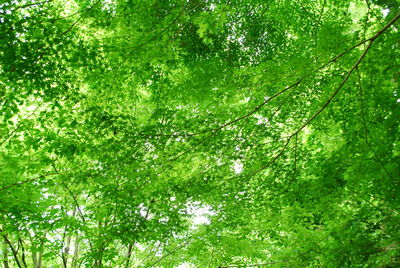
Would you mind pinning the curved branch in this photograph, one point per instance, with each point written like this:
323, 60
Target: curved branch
370, 40
333, 60
257, 108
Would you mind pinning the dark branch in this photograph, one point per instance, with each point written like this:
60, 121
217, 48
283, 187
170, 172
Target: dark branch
370, 40
32, 4
251, 265
27, 181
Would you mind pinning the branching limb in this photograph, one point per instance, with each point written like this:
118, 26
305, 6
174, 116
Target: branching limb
72, 25
333, 60
370, 40
249, 113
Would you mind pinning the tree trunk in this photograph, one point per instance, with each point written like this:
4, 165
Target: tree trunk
5, 254
21, 243
34, 259
128, 255
66, 251
36, 254
76, 252
40, 259
12, 250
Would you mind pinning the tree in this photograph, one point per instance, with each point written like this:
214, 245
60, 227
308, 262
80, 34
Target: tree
123, 121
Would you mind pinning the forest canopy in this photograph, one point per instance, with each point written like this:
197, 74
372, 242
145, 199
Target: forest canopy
199, 133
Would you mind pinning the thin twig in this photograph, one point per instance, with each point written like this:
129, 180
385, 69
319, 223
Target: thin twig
249, 113
28, 181
170, 253
141, 45
72, 25
31, 4
378, 159
335, 92
216, 130
251, 265
187, 151
272, 161
19, 125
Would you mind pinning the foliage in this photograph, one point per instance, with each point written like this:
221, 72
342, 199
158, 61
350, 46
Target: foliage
123, 121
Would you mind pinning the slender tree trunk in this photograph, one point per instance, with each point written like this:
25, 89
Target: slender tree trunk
67, 244
21, 243
66, 251
36, 255
64, 260
128, 255
5, 254
40, 259
104, 244
76, 252
34, 259
14, 252
99, 261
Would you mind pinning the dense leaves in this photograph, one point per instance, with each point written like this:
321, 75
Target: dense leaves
199, 133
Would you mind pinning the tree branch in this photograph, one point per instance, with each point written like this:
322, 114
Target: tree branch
334, 59
18, 126
370, 40
141, 45
27, 181
31, 4
170, 253
251, 265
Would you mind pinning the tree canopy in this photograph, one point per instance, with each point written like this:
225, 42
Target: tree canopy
199, 133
